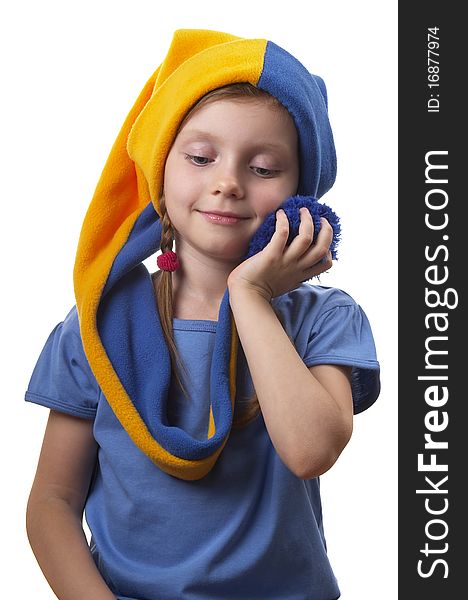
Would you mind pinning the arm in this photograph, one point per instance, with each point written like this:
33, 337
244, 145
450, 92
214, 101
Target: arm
55, 509
308, 412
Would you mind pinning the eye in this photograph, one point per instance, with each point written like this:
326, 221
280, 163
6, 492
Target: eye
265, 172
196, 159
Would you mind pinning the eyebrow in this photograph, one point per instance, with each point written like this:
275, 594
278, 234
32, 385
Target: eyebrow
256, 145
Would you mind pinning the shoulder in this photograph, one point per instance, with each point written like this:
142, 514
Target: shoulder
67, 351
312, 301
66, 333
328, 326
71, 323
310, 308
62, 378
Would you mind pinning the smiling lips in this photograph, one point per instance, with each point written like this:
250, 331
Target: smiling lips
223, 218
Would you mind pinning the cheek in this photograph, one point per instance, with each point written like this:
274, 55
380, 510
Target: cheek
180, 182
176, 190
269, 203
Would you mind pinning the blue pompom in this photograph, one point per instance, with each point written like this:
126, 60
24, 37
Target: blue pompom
291, 207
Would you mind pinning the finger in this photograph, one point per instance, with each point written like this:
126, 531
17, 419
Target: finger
304, 238
281, 234
325, 235
323, 265
306, 226
319, 251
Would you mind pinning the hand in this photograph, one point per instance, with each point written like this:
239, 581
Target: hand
278, 268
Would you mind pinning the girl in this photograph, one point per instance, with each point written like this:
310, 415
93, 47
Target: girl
197, 458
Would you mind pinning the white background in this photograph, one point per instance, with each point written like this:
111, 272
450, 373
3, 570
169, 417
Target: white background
70, 74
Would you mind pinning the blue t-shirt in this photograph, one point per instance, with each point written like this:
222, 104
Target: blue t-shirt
250, 528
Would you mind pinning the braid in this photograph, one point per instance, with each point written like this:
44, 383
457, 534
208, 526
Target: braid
167, 235
164, 293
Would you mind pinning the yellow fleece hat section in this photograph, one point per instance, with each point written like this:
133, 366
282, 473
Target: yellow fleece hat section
197, 62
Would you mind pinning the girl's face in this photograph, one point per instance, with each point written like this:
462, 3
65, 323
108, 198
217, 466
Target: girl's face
236, 157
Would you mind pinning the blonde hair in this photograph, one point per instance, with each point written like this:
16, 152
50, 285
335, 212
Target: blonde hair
245, 410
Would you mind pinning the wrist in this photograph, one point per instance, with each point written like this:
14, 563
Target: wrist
247, 291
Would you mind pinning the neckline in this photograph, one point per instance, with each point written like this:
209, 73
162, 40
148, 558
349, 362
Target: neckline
176, 319
194, 325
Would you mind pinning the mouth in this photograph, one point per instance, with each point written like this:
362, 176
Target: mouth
221, 218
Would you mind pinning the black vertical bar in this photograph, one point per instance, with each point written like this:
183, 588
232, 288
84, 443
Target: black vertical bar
433, 331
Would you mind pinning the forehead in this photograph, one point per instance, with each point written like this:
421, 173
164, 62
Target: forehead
248, 119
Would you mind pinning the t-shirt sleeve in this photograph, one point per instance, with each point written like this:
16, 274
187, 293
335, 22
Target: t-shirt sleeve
342, 335
62, 378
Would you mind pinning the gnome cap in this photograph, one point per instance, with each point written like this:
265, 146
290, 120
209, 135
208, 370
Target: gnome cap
199, 61
119, 322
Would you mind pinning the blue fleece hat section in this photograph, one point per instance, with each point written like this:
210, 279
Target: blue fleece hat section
305, 97
291, 207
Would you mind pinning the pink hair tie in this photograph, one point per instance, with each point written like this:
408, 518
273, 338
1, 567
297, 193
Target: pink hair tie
168, 261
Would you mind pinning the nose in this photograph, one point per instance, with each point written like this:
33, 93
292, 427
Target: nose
227, 182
